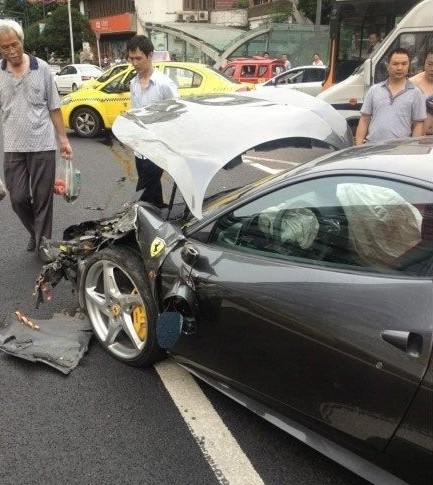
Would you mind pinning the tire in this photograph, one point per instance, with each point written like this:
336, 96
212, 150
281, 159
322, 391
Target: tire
112, 310
74, 88
86, 122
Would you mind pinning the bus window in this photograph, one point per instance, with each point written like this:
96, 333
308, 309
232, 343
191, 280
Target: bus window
417, 43
352, 21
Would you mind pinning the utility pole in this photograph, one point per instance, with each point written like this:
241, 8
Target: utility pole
318, 14
71, 35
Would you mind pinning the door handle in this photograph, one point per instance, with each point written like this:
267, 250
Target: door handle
409, 342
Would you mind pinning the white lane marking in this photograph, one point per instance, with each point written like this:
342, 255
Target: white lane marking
229, 463
272, 171
254, 161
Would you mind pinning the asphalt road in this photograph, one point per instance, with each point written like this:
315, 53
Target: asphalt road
106, 423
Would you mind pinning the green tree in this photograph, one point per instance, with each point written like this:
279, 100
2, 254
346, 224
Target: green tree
241, 4
56, 33
308, 8
280, 13
26, 13
46, 27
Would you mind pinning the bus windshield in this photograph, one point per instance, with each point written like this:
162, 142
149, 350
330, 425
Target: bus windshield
354, 26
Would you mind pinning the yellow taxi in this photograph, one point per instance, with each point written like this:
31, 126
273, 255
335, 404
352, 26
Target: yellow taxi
105, 76
94, 108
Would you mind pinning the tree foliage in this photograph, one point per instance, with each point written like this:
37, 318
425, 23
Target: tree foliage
280, 13
46, 27
308, 8
241, 4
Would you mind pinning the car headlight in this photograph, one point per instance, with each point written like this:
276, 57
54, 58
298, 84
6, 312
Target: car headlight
66, 100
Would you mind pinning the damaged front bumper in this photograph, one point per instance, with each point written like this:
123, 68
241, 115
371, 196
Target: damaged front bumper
140, 226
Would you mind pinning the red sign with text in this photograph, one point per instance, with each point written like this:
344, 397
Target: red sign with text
115, 23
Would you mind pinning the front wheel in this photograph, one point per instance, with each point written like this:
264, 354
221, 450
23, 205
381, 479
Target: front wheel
86, 122
117, 299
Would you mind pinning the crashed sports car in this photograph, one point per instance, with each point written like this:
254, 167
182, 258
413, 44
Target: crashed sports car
306, 296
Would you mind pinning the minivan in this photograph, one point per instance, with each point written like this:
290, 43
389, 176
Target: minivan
254, 69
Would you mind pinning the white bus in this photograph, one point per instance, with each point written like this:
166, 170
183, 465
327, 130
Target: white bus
352, 21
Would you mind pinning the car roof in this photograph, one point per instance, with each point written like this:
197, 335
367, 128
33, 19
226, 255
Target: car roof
192, 65
254, 60
83, 65
308, 66
405, 157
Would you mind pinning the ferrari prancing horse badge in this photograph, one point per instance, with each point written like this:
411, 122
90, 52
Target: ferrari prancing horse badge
156, 247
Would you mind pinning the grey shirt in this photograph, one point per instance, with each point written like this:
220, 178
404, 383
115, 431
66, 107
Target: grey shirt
392, 116
26, 104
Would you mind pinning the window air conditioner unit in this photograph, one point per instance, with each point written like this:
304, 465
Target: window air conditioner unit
190, 17
203, 16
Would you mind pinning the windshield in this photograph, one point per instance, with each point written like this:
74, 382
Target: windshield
358, 25
223, 76
111, 72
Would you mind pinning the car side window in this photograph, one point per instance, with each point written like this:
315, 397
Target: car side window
338, 222
314, 75
120, 84
66, 70
262, 71
296, 77
416, 43
172, 73
247, 70
229, 71
283, 79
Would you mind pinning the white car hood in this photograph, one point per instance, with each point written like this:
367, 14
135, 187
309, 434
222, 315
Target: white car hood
193, 138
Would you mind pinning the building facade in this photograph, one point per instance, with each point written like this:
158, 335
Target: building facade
208, 31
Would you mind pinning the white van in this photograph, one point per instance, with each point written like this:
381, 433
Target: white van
414, 32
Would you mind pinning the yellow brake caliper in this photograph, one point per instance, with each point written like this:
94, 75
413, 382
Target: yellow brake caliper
139, 320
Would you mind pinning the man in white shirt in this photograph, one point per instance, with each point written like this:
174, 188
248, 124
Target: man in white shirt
287, 63
148, 86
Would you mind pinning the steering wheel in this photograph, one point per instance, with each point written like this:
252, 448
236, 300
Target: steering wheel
318, 249
251, 235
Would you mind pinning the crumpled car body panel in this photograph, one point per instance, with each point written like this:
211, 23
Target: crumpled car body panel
177, 135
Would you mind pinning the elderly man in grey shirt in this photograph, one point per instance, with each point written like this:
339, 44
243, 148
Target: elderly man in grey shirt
30, 107
394, 108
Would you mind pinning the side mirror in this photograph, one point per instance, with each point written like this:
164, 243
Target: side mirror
189, 254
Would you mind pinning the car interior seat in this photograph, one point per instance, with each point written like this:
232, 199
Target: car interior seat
419, 258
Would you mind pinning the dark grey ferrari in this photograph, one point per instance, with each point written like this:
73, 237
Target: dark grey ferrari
307, 297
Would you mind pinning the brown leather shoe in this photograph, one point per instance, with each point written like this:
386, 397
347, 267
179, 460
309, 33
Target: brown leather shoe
31, 246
